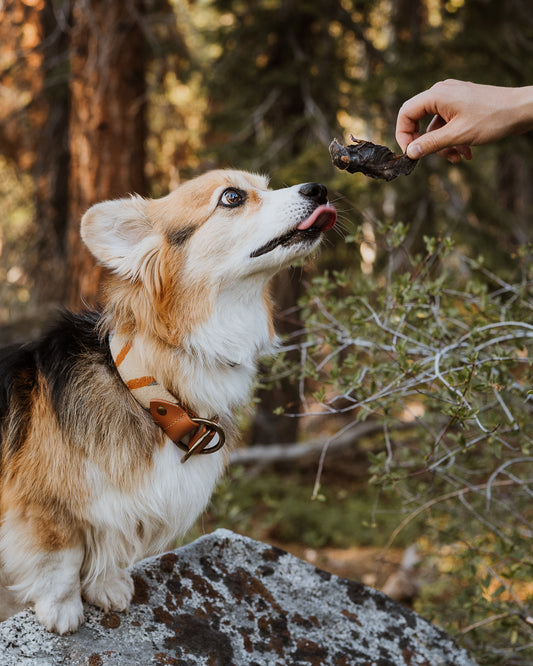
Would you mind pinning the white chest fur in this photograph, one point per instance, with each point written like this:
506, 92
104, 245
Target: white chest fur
126, 526
219, 363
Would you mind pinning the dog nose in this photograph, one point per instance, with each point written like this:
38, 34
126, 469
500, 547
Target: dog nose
315, 191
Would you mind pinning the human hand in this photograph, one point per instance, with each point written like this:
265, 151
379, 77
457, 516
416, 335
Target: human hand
465, 114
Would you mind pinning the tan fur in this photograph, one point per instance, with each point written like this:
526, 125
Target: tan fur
39, 473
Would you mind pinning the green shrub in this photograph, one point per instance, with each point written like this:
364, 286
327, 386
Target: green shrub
440, 341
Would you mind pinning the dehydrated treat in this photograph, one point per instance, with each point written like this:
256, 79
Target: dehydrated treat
370, 159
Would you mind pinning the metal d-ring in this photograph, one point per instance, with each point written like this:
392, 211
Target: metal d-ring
212, 427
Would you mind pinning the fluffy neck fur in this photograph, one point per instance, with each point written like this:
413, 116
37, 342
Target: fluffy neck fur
209, 365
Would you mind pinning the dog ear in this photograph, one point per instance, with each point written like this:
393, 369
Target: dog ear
120, 235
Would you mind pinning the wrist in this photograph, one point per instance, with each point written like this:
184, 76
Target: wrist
522, 109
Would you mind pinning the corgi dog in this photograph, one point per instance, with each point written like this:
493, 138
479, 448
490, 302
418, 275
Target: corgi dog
116, 425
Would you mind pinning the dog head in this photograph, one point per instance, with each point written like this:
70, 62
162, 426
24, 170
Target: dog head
222, 228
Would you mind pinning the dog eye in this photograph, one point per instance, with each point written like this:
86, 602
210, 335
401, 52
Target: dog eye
232, 197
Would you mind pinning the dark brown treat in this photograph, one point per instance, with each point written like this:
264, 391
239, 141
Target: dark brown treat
370, 159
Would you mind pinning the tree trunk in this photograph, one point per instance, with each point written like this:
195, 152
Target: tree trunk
52, 160
34, 134
270, 428
515, 174
107, 122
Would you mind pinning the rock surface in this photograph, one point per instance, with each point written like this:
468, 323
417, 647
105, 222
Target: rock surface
228, 600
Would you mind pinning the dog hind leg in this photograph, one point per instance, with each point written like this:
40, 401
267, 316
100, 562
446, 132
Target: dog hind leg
50, 579
58, 606
9, 604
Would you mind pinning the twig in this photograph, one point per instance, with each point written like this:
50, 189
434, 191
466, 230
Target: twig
325, 448
498, 471
437, 500
487, 620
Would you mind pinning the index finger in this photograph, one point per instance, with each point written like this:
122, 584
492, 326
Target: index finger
409, 116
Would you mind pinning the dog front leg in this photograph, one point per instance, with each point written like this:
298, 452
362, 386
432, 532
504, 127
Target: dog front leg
104, 582
43, 568
111, 590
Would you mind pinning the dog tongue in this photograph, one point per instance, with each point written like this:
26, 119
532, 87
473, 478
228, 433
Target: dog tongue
322, 218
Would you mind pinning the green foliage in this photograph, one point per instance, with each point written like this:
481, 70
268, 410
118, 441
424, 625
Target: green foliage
278, 507
452, 358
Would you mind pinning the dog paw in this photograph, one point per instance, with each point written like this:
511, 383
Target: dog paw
110, 593
62, 617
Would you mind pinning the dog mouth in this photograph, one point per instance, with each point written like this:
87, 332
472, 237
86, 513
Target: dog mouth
322, 219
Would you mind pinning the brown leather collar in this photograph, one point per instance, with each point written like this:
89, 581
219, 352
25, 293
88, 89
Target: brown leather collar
185, 428
180, 423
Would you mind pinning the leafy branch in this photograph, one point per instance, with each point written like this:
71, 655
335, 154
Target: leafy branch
452, 358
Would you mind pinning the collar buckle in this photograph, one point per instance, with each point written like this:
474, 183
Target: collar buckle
187, 430
205, 433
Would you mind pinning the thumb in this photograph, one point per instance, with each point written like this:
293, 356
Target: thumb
430, 142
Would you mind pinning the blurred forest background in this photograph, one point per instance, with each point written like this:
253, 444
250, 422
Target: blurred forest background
401, 398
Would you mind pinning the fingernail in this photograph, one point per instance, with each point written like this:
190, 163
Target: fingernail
414, 151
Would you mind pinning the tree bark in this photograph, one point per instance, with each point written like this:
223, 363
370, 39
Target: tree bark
270, 428
107, 122
515, 174
52, 159
34, 134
